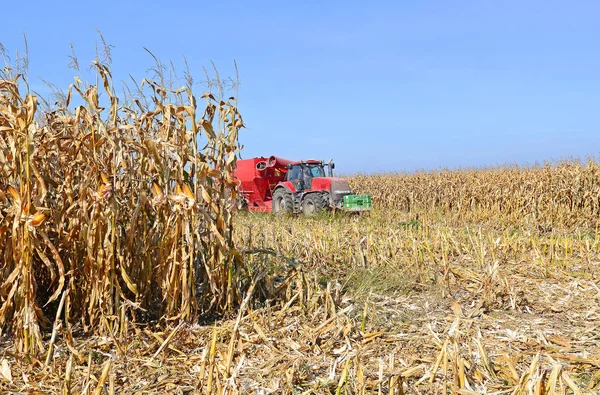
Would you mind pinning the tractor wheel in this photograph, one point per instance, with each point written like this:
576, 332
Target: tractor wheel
313, 204
282, 202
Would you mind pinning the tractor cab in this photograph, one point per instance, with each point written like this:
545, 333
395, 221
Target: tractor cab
301, 174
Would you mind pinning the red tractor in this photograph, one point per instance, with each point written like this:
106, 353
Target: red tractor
284, 186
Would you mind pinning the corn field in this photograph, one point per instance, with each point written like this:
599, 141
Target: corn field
126, 269
563, 194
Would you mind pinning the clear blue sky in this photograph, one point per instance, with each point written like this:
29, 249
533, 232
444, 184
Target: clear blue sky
378, 86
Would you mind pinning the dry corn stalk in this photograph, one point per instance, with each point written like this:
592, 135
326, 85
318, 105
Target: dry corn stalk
121, 205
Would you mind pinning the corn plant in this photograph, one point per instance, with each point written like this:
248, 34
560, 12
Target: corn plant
122, 208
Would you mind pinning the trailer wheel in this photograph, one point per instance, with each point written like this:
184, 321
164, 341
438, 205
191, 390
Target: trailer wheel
282, 202
313, 204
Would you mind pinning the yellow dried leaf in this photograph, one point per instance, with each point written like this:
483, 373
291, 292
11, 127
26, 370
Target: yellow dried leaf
104, 178
14, 193
37, 219
187, 191
130, 284
5, 371
206, 196
105, 191
156, 189
213, 173
208, 128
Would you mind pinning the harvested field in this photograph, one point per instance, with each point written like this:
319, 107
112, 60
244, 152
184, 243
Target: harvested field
378, 303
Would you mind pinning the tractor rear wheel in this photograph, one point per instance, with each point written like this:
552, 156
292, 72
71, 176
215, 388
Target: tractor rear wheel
282, 202
313, 204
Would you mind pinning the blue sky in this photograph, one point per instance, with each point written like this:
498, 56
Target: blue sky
378, 86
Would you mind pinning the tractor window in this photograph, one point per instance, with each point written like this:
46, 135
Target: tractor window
294, 173
301, 172
317, 171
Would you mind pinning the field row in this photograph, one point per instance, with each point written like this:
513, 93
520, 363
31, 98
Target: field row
558, 195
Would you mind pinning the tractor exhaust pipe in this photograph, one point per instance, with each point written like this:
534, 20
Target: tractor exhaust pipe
330, 167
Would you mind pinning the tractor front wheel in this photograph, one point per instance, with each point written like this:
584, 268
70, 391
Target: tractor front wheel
282, 202
313, 204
